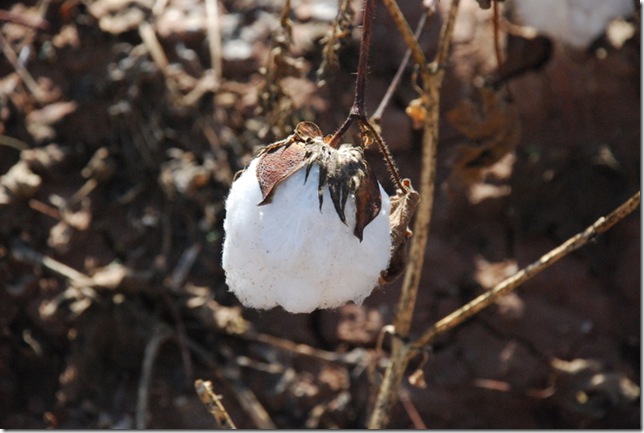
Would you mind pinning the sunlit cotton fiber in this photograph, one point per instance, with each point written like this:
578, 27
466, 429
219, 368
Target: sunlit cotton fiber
291, 254
576, 23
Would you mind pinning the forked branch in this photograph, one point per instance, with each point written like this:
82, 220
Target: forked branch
358, 114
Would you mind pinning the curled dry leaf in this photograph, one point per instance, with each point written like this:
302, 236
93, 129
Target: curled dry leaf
403, 207
586, 387
306, 227
417, 112
119, 16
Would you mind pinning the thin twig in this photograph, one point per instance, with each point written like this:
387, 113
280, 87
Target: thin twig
23, 253
377, 115
407, 34
13, 142
214, 39
411, 410
357, 112
363, 61
297, 348
230, 375
357, 109
446, 35
214, 405
181, 270
161, 335
22, 72
497, 33
386, 154
511, 283
152, 44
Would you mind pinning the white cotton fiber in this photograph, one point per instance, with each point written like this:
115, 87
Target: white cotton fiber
574, 22
288, 253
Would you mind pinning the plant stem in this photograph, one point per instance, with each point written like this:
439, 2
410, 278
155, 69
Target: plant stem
432, 78
407, 34
377, 115
358, 112
497, 44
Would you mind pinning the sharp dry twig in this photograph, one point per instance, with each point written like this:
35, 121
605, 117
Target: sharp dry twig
509, 284
214, 405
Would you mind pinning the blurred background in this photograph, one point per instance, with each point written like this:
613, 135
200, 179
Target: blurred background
123, 122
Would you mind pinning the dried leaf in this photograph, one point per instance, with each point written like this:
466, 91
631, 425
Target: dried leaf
586, 387
403, 207
492, 127
417, 379
368, 202
341, 29
416, 112
277, 165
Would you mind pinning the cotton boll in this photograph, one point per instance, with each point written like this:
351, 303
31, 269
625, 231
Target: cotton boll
291, 253
574, 22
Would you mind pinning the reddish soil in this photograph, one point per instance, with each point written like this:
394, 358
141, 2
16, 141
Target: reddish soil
116, 156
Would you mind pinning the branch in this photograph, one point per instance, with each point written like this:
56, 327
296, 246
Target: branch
214, 39
511, 283
214, 405
161, 335
407, 34
358, 112
432, 79
377, 115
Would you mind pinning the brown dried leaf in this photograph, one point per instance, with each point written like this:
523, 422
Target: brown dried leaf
492, 126
403, 207
278, 164
368, 202
585, 386
416, 112
417, 379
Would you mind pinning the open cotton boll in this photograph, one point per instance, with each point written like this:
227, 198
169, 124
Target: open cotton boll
576, 23
291, 253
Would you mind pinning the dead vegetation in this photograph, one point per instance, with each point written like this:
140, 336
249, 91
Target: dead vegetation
121, 127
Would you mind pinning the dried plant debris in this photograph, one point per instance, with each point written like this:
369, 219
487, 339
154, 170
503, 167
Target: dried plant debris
18, 183
344, 171
403, 207
586, 387
275, 102
119, 16
340, 30
492, 127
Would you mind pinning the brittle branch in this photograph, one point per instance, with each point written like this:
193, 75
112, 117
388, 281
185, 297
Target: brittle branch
358, 113
511, 283
432, 78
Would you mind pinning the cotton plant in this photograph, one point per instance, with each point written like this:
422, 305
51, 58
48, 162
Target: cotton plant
309, 226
